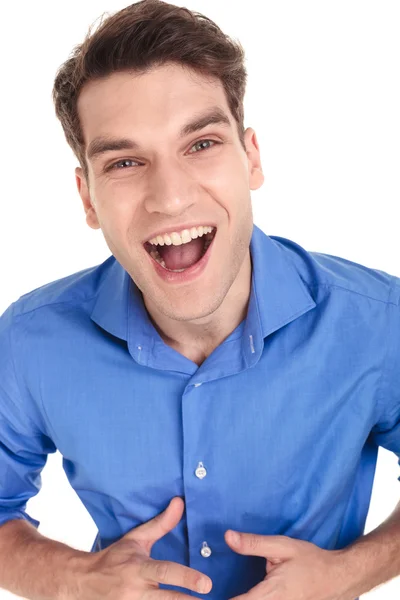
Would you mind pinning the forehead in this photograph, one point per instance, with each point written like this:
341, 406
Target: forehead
160, 99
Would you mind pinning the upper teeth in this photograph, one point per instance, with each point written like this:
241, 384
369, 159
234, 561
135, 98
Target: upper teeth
183, 237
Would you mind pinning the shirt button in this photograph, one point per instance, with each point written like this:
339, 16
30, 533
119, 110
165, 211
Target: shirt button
197, 384
200, 471
205, 550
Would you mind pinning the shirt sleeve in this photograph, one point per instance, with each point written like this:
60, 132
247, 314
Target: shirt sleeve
386, 431
23, 446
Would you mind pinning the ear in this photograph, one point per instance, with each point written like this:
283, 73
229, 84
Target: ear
83, 189
256, 176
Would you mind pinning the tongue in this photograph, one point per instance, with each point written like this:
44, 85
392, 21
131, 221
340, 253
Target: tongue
183, 256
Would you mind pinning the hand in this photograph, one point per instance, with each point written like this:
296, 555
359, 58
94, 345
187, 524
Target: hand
125, 570
296, 569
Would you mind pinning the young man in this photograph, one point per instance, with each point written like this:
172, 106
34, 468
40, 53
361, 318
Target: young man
206, 377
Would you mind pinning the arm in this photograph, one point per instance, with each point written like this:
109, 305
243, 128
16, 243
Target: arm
34, 566
31, 565
372, 559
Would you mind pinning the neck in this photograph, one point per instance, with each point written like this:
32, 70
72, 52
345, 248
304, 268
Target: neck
199, 337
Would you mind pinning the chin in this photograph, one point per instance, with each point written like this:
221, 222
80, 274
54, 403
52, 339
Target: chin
189, 312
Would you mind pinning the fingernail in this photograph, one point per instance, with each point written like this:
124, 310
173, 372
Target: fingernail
234, 537
203, 586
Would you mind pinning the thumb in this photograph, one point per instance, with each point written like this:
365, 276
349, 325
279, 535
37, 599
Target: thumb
276, 548
154, 529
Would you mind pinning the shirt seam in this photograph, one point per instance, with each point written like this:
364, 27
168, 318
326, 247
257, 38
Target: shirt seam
335, 286
69, 302
380, 393
17, 378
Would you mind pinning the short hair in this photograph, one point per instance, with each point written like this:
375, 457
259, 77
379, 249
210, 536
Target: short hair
137, 38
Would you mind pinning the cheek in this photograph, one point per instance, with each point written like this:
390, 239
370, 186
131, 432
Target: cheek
231, 193
224, 174
119, 213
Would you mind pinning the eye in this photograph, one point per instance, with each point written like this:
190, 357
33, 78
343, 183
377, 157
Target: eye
203, 142
120, 162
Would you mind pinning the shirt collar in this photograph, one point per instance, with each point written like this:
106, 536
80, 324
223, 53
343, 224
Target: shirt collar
277, 288
278, 296
110, 309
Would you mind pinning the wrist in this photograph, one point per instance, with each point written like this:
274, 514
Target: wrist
365, 564
351, 576
373, 559
77, 567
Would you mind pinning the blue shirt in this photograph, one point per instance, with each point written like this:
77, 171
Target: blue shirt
277, 432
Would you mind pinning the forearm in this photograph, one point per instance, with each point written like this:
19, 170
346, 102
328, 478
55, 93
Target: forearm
34, 566
372, 559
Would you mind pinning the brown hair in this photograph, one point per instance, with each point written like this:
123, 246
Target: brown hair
141, 36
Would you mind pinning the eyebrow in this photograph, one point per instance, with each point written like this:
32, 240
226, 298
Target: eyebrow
102, 144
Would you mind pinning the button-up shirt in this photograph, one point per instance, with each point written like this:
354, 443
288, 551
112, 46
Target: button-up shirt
276, 433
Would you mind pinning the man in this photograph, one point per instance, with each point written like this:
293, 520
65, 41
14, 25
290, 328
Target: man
206, 378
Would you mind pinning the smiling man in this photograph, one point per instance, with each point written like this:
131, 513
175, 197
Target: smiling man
206, 378
173, 197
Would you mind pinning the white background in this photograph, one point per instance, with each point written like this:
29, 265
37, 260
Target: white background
323, 96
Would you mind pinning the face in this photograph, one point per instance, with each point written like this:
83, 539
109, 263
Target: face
148, 175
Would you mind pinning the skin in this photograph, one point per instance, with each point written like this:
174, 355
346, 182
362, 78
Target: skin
169, 181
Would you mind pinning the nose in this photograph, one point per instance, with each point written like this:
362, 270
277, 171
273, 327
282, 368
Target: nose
172, 191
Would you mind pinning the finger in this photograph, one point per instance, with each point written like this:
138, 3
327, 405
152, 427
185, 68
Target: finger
171, 573
166, 595
154, 529
271, 546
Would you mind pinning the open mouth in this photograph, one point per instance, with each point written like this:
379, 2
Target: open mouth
180, 257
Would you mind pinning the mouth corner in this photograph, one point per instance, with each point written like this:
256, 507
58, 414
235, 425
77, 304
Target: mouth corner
147, 246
